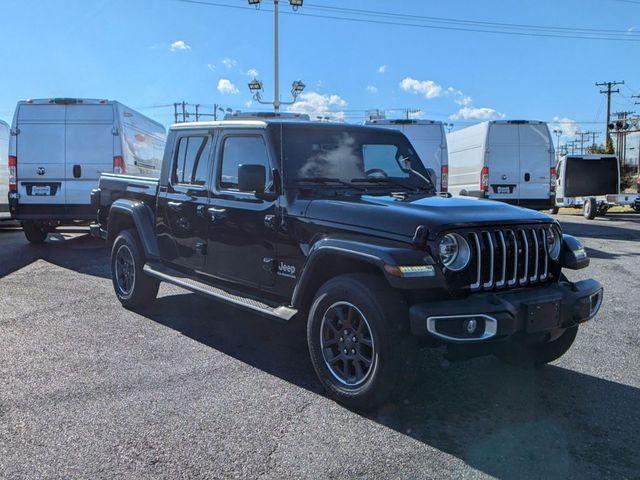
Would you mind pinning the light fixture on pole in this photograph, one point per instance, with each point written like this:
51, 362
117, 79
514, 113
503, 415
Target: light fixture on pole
295, 4
558, 133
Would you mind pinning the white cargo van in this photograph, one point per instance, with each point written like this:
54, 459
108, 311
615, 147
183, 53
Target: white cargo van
59, 147
4, 172
430, 142
590, 182
507, 160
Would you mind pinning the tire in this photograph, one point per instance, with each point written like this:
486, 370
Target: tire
554, 210
133, 287
376, 316
541, 353
35, 232
590, 209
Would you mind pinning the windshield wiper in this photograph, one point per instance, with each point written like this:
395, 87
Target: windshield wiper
385, 180
326, 181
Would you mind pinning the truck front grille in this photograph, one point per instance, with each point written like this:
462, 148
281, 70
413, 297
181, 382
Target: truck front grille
509, 257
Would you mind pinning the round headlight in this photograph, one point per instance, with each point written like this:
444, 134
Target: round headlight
553, 243
454, 252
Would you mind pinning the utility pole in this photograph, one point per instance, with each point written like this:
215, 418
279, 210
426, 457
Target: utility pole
621, 127
197, 113
175, 112
608, 91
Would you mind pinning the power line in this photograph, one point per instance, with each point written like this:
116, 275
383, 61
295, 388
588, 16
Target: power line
560, 33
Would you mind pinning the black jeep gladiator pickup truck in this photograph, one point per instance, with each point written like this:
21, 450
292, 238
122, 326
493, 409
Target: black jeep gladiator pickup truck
339, 226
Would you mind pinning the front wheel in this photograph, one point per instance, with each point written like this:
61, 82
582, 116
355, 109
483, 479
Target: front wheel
358, 340
541, 353
133, 287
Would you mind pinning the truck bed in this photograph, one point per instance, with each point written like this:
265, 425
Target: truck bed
113, 186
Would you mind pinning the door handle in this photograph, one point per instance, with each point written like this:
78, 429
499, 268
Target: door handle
217, 213
175, 205
77, 171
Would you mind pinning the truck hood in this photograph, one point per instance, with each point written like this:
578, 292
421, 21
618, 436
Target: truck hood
403, 216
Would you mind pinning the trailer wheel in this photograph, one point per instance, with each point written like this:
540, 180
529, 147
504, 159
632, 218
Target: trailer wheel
590, 208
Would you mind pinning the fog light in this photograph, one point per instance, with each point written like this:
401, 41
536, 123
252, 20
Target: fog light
470, 326
595, 302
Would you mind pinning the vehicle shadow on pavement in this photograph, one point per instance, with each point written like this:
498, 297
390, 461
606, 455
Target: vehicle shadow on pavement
507, 422
603, 228
80, 253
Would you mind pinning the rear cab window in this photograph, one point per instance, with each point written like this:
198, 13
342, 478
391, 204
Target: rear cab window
191, 162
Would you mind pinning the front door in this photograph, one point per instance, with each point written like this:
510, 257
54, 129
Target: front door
241, 246
183, 204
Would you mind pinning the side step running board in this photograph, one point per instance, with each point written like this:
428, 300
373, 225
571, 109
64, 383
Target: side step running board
167, 274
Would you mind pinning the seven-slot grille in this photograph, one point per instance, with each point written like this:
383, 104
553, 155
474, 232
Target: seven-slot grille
509, 257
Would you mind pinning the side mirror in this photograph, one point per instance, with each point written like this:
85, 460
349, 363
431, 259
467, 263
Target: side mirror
431, 175
252, 178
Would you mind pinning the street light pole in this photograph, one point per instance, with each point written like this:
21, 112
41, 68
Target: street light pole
558, 132
276, 58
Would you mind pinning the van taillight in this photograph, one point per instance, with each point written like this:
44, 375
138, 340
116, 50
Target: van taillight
444, 178
13, 173
553, 179
118, 164
484, 179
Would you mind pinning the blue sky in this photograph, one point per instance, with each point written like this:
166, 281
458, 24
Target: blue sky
149, 53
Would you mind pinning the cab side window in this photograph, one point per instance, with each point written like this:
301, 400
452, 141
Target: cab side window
242, 150
191, 166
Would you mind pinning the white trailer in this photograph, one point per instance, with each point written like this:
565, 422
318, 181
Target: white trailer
506, 160
4, 172
59, 147
590, 182
430, 142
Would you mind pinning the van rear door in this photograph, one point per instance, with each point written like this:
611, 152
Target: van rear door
536, 160
503, 160
89, 148
428, 140
40, 146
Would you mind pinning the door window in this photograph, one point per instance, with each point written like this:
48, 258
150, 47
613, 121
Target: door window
242, 150
192, 161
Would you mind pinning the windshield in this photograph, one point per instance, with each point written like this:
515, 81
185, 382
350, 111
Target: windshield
351, 155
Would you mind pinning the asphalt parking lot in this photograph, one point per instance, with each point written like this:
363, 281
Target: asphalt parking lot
191, 388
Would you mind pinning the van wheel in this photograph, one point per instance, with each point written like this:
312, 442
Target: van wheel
590, 208
35, 232
358, 340
540, 353
554, 210
133, 287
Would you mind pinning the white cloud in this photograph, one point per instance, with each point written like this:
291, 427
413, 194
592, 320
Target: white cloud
372, 89
179, 45
631, 29
315, 104
568, 126
428, 88
464, 100
211, 67
382, 69
229, 62
471, 113
252, 73
226, 87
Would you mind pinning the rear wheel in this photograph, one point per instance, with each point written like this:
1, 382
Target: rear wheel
133, 287
590, 208
554, 210
35, 232
540, 353
358, 340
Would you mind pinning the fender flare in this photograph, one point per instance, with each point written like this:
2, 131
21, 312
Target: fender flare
376, 255
143, 218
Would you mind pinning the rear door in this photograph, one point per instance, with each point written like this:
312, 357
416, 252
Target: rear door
184, 202
89, 147
503, 159
536, 160
40, 148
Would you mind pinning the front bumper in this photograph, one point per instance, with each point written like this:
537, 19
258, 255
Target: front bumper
485, 317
